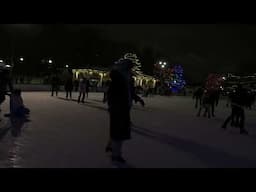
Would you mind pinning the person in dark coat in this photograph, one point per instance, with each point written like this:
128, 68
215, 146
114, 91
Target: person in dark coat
212, 100
250, 99
237, 116
134, 95
17, 106
119, 99
69, 87
106, 87
55, 84
206, 102
87, 87
198, 96
82, 89
217, 97
5, 82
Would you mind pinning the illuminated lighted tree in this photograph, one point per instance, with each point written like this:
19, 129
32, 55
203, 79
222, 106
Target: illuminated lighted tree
178, 82
137, 65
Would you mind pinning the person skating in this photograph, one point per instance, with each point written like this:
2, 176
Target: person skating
206, 102
238, 102
145, 91
250, 99
217, 97
82, 90
55, 84
17, 106
198, 96
87, 87
119, 105
19, 113
5, 82
69, 87
135, 97
105, 91
212, 100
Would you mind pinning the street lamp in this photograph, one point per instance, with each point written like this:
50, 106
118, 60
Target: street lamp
21, 59
50, 61
162, 63
67, 66
1, 61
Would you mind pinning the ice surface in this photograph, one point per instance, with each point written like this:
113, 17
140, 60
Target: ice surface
166, 134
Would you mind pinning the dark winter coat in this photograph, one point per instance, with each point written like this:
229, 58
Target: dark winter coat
55, 81
69, 85
119, 108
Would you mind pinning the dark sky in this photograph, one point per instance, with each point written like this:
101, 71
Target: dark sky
200, 48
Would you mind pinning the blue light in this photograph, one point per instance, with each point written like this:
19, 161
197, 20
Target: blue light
178, 83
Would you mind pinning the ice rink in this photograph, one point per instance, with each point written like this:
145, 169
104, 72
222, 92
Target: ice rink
166, 134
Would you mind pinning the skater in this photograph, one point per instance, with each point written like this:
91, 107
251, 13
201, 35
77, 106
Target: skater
87, 87
19, 113
212, 99
250, 99
205, 104
198, 96
119, 105
145, 91
69, 87
238, 102
217, 97
55, 84
106, 87
5, 81
17, 107
82, 89
134, 95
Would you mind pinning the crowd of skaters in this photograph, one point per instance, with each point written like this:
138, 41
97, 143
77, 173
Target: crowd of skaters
238, 99
81, 85
120, 93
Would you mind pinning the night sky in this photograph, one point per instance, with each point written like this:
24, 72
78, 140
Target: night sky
199, 48
220, 48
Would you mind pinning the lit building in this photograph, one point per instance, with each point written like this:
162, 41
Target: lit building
99, 76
